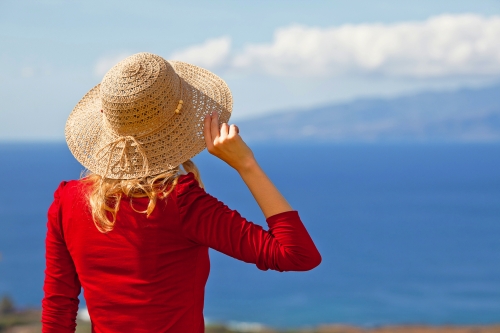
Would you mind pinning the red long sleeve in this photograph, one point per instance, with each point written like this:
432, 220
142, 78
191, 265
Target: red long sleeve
61, 286
285, 247
149, 274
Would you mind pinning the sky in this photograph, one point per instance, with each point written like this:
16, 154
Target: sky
276, 56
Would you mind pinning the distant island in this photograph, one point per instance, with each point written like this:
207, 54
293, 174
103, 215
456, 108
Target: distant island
466, 115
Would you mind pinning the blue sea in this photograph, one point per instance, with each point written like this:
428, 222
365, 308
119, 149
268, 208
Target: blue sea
408, 233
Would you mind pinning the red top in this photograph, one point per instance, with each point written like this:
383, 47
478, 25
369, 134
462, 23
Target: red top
149, 274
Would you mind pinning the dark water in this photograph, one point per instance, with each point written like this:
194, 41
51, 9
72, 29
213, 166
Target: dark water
408, 233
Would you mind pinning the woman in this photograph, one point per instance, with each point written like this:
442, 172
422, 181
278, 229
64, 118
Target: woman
135, 232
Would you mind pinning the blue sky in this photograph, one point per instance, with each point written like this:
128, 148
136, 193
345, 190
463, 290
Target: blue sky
275, 55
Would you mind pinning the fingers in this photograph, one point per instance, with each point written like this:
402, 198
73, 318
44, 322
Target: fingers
233, 131
214, 127
215, 134
207, 132
224, 131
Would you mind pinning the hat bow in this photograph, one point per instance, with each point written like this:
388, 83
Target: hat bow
126, 142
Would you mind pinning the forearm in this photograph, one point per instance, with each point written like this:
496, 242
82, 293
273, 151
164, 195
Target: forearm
268, 197
226, 143
287, 245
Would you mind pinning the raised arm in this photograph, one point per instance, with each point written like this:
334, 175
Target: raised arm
226, 143
285, 246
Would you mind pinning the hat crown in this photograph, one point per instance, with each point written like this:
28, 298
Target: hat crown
131, 69
139, 94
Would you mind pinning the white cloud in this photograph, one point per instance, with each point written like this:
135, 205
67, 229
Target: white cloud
212, 54
446, 45
104, 64
27, 72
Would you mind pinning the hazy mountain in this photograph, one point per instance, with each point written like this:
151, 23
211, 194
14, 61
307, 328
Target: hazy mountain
467, 115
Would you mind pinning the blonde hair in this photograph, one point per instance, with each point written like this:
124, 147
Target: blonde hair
105, 193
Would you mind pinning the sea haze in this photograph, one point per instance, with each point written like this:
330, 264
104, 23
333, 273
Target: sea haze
465, 115
408, 233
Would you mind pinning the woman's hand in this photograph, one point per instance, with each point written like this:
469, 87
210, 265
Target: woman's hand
226, 143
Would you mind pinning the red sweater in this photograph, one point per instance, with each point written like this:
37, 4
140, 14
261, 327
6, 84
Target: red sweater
149, 274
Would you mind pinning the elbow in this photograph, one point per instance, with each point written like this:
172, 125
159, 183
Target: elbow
304, 263
313, 261
318, 260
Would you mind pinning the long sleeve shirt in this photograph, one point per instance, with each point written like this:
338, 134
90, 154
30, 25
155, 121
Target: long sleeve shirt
149, 273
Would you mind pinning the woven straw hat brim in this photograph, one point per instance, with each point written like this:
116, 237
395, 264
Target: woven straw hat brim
173, 143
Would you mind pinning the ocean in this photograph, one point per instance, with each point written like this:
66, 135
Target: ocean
409, 233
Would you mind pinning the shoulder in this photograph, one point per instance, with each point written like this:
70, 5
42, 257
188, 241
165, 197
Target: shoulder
187, 183
188, 193
70, 188
66, 196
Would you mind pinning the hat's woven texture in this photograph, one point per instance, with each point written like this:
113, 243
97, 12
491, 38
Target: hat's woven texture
145, 117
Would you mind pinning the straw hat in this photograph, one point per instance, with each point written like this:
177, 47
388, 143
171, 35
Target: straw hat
145, 117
